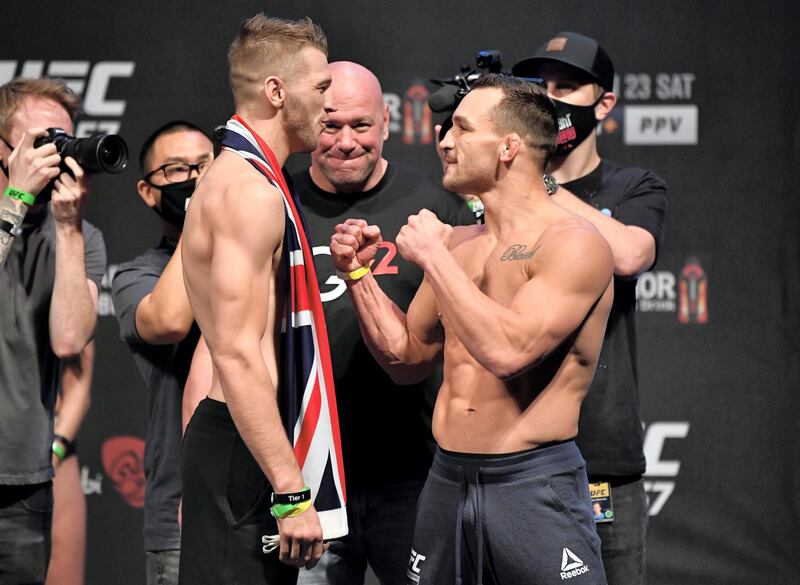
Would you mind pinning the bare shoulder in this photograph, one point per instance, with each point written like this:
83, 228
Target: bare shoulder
236, 199
574, 243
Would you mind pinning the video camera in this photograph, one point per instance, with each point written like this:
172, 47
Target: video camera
453, 90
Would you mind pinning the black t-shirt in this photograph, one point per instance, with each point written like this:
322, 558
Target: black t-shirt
385, 428
29, 370
164, 369
610, 430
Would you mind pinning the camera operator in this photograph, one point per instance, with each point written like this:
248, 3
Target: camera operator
156, 321
50, 280
628, 206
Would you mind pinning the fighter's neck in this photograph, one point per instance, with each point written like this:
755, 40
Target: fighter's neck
515, 206
578, 163
271, 130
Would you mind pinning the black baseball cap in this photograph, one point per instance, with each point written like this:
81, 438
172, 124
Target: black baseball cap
573, 49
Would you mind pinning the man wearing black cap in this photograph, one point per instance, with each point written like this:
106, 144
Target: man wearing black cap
628, 206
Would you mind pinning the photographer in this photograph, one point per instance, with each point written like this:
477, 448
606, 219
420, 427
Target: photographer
628, 206
53, 267
156, 321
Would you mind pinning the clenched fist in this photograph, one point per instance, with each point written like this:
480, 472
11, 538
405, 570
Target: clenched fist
354, 244
422, 237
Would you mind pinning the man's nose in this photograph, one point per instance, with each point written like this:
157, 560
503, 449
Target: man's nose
346, 139
446, 143
327, 104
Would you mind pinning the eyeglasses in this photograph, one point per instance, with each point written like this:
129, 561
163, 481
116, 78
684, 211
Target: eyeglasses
176, 172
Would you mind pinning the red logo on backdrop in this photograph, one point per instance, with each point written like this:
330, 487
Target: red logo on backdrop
123, 461
417, 126
693, 293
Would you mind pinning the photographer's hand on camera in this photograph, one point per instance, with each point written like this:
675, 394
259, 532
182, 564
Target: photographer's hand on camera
30, 169
69, 196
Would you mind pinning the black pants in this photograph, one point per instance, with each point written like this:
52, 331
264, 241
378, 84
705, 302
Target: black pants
623, 540
26, 517
225, 507
507, 520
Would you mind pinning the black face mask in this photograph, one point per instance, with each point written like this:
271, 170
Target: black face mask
174, 200
575, 123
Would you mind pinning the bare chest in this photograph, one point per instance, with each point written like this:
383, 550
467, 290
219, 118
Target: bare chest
500, 271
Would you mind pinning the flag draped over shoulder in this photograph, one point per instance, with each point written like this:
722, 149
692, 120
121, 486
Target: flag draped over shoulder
306, 394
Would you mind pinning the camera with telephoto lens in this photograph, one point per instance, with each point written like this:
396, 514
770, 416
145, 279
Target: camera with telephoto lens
101, 153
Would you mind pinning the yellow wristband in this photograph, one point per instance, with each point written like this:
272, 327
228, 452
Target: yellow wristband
356, 274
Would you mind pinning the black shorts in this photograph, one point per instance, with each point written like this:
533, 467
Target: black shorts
512, 519
225, 507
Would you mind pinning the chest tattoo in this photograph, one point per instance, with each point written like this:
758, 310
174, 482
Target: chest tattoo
518, 252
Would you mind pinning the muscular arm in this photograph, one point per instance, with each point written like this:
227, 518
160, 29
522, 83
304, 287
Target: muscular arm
164, 316
245, 238
407, 347
570, 272
634, 247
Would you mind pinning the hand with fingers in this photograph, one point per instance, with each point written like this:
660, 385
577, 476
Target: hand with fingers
301, 542
30, 169
69, 195
354, 244
423, 237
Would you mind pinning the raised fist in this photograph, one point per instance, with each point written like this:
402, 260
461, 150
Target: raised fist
422, 237
354, 244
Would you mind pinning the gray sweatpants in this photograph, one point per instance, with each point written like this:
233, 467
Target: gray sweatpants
512, 519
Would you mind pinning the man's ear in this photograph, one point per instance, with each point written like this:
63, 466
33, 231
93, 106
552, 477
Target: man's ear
510, 147
605, 105
385, 121
275, 91
147, 193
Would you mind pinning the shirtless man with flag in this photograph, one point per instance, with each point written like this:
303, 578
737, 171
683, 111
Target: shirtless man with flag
262, 452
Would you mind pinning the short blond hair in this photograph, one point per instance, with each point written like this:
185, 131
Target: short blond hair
13, 92
268, 46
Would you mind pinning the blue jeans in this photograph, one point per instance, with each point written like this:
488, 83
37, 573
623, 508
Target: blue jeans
622, 540
381, 526
162, 567
26, 516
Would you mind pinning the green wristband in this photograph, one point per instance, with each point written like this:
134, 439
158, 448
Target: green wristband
281, 511
59, 450
24, 196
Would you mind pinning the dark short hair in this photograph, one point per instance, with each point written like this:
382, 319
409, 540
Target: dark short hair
525, 109
168, 128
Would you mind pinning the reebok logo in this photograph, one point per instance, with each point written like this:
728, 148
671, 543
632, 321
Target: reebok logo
571, 565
